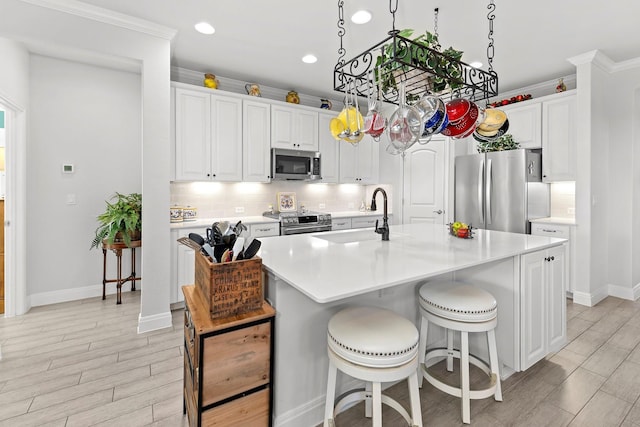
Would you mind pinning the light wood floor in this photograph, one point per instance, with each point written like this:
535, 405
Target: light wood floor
82, 363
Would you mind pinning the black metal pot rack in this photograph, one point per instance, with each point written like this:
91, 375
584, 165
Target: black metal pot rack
474, 84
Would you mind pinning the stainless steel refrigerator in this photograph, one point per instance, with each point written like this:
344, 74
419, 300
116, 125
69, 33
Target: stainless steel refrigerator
500, 190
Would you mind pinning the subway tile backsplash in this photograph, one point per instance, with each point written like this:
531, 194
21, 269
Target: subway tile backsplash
217, 199
563, 199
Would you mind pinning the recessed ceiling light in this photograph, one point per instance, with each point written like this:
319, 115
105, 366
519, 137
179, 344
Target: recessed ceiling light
309, 59
361, 17
476, 64
204, 28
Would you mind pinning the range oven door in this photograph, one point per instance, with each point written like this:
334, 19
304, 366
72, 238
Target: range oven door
302, 229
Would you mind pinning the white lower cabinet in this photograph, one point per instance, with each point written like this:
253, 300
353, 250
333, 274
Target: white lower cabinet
264, 230
561, 231
366, 222
182, 263
542, 304
340, 224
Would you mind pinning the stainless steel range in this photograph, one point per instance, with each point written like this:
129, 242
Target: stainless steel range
301, 222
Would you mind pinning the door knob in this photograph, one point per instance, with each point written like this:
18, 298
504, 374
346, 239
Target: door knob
439, 211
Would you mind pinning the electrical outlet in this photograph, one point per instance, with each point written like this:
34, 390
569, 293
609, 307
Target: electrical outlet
239, 209
351, 205
571, 211
321, 206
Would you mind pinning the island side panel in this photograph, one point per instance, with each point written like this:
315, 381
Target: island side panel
502, 280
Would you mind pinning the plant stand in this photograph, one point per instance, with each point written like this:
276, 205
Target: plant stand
117, 248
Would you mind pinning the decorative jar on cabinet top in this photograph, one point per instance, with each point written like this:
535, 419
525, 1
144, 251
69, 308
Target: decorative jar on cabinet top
293, 97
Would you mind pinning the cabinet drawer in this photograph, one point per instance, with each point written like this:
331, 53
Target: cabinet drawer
235, 361
551, 230
366, 222
265, 230
251, 410
341, 224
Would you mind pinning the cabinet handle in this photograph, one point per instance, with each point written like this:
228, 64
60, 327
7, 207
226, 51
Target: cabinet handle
549, 259
549, 231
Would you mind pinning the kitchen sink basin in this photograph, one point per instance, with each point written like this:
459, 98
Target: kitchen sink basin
355, 236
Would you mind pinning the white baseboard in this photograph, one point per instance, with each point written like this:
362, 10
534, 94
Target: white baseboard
590, 299
154, 322
312, 412
72, 294
631, 294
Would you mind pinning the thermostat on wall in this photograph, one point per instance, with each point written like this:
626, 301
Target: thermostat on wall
67, 168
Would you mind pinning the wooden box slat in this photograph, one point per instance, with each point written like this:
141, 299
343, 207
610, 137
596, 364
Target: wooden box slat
229, 288
248, 411
235, 361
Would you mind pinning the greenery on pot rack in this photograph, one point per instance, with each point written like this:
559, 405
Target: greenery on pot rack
400, 57
121, 221
502, 143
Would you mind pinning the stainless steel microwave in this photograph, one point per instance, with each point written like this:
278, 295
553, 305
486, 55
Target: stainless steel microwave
295, 165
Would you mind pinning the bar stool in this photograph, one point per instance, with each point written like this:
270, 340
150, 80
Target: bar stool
374, 345
459, 307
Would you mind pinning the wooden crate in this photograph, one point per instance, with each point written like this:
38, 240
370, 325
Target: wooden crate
229, 288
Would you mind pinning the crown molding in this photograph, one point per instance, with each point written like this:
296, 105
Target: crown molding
84, 10
596, 58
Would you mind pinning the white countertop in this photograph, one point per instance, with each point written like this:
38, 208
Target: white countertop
206, 222
334, 265
555, 220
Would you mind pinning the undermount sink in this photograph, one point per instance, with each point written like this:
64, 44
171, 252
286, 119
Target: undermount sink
354, 236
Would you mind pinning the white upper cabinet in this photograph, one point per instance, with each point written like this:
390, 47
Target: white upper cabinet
525, 124
226, 138
294, 128
208, 136
329, 150
359, 163
559, 141
193, 135
256, 134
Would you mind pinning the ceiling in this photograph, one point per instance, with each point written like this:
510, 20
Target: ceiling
263, 41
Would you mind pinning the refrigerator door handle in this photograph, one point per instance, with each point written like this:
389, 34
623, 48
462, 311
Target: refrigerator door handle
488, 192
480, 186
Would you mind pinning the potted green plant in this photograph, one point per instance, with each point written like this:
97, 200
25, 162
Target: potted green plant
502, 143
423, 54
121, 221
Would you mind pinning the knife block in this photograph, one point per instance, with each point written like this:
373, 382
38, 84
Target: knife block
229, 288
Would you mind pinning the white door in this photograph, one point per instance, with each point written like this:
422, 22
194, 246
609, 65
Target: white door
423, 188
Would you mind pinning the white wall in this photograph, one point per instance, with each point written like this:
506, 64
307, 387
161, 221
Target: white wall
90, 117
14, 72
623, 189
14, 90
75, 28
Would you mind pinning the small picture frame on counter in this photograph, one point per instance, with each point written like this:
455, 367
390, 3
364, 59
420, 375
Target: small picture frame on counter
287, 202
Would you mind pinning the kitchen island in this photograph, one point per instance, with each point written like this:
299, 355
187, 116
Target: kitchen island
310, 277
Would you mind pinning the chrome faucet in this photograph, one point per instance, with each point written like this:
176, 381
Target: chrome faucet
384, 230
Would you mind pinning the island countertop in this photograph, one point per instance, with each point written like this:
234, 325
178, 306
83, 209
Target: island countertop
332, 266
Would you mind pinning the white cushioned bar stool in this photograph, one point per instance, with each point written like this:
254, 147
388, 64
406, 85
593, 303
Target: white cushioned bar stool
374, 345
460, 307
